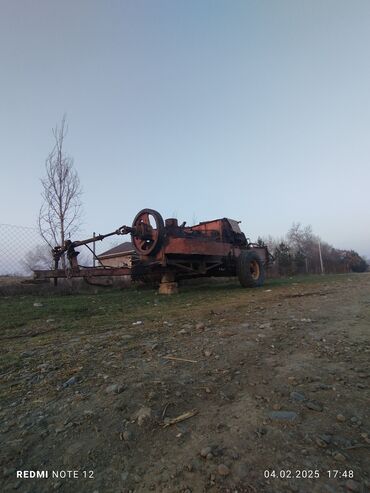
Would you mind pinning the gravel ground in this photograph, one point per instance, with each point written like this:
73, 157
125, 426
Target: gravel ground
266, 390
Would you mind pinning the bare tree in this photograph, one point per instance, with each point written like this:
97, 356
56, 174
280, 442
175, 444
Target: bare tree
60, 213
301, 238
38, 258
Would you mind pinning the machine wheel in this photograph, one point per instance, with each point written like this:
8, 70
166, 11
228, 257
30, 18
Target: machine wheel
250, 270
148, 233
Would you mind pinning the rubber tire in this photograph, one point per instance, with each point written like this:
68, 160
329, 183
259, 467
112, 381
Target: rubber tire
243, 270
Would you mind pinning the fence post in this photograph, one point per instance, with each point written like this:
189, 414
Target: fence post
94, 250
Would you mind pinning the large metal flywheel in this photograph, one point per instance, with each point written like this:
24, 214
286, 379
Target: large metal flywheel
148, 232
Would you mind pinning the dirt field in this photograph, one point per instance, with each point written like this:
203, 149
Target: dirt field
270, 387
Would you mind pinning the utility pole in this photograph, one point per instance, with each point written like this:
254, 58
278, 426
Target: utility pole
94, 250
321, 262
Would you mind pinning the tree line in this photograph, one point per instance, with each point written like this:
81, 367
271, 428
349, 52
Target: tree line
303, 252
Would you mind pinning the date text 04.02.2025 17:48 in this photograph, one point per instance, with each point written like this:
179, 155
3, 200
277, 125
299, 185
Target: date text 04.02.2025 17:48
307, 474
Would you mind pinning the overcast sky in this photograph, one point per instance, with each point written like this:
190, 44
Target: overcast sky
254, 110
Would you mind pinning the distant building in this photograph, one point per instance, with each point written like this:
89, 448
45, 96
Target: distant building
118, 256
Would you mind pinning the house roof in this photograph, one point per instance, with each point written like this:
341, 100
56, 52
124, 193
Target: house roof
118, 250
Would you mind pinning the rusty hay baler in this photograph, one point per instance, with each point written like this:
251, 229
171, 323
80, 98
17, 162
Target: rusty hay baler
166, 252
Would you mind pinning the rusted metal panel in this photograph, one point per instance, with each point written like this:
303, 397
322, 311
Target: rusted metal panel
193, 246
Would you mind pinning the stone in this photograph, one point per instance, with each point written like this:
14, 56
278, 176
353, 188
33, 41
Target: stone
297, 396
314, 405
115, 388
27, 354
69, 382
37, 304
339, 457
200, 326
207, 353
142, 415
223, 470
182, 331
127, 435
320, 442
266, 325
205, 451
283, 415
341, 418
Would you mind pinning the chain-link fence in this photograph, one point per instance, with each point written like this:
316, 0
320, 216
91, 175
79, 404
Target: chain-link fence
21, 250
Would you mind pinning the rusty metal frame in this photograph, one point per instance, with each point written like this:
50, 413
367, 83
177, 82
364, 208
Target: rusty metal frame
208, 248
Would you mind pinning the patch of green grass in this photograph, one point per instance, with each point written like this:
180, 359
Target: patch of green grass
112, 307
308, 279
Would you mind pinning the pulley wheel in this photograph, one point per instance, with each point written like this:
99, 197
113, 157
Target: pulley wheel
148, 233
